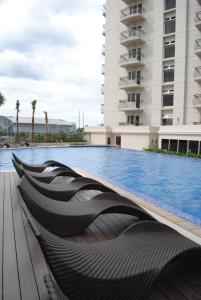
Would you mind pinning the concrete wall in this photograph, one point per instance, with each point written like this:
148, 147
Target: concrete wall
97, 138
136, 142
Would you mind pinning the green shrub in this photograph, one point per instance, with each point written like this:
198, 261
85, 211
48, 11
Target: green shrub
155, 149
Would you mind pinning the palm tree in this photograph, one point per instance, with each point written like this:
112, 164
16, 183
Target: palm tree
17, 119
2, 99
33, 103
46, 125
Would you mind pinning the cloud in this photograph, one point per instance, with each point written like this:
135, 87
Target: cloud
51, 51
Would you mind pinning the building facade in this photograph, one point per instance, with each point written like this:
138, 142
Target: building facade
8, 125
152, 73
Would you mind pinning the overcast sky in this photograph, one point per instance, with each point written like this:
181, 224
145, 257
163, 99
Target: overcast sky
50, 50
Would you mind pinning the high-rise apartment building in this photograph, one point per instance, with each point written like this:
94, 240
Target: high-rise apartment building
152, 75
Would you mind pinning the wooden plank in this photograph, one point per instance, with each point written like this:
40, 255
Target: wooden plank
26, 274
39, 265
11, 288
2, 189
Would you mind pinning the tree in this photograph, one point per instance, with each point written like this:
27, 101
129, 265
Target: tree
33, 103
2, 99
46, 125
17, 119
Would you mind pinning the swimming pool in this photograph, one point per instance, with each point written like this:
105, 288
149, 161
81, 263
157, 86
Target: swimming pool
171, 182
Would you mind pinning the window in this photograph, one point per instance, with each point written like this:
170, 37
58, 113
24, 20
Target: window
193, 147
168, 98
164, 144
134, 75
167, 122
169, 49
134, 120
136, 9
182, 146
169, 4
170, 25
132, 97
133, 30
168, 75
173, 145
135, 53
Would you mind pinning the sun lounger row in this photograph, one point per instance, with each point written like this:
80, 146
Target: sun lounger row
124, 267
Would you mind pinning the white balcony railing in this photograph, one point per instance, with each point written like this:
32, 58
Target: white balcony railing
197, 100
104, 10
131, 34
129, 124
197, 73
103, 29
103, 69
130, 12
127, 58
130, 105
102, 109
197, 45
126, 81
102, 88
103, 50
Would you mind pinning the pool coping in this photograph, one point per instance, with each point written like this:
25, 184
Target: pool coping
178, 223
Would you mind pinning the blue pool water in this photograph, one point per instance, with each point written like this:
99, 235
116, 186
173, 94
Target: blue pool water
169, 181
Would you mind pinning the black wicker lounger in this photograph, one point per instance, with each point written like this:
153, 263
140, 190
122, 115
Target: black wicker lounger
72, 218
64, 192
47, 177
40, 167
123, 268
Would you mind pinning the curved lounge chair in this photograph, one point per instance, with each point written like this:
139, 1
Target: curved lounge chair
40, 167
123, 268
72, 218
64, 192
46, 177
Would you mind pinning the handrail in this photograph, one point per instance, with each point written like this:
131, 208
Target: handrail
197, 44
130, 104
128, 12
131, 33
198, 16
197, 71
126, 57
197, 99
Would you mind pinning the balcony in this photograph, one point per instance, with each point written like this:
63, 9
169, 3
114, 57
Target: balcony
104, 11
129, 16
128, 2
131, 37
197, 101
197, 47
126, 83
128, 124
103, 70
126, 60
103, 50
102, 109
103, 29
102, 89
198, 20
197, 74
125, 105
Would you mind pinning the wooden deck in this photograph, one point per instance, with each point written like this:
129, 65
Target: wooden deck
23, 266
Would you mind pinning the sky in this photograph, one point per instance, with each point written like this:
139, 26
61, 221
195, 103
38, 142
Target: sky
50, 50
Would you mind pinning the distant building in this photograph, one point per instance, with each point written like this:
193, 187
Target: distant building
8, 125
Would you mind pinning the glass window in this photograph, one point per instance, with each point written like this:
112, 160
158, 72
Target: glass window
170, 25
173, 145
168, 99
167, 122
164, 144
169, 4
169, 50
168, 74
193, 147
182, 146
